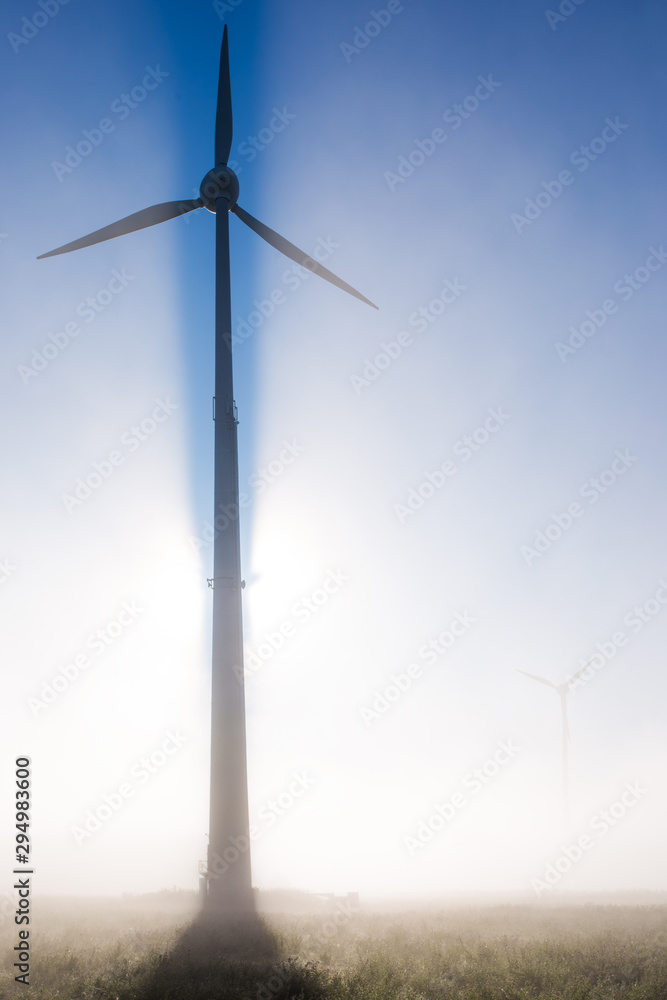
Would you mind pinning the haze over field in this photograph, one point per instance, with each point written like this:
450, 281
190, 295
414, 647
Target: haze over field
469, 482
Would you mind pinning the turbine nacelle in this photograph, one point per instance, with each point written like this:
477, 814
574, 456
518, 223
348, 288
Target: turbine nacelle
221, 182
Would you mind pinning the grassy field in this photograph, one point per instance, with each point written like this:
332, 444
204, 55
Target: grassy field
127, 950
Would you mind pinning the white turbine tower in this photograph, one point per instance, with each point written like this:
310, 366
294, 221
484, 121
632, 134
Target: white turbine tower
562, 690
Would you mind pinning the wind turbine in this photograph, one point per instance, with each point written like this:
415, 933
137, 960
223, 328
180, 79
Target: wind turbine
562, 690
229, 885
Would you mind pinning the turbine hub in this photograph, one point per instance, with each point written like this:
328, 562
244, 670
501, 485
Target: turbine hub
221, 182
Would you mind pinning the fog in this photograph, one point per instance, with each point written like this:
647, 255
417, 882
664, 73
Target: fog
467, 483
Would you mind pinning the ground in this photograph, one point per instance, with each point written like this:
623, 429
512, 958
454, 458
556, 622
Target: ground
158, 949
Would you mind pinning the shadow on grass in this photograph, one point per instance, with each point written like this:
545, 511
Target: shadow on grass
217, 958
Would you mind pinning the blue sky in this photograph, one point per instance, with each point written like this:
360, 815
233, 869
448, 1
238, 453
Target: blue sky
506, 257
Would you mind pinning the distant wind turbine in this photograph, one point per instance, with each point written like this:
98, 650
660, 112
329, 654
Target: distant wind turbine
562, 690
229, 883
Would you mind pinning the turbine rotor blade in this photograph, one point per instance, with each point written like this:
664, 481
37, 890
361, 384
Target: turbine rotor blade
287, 248
536, 678
223, 118
130, 224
